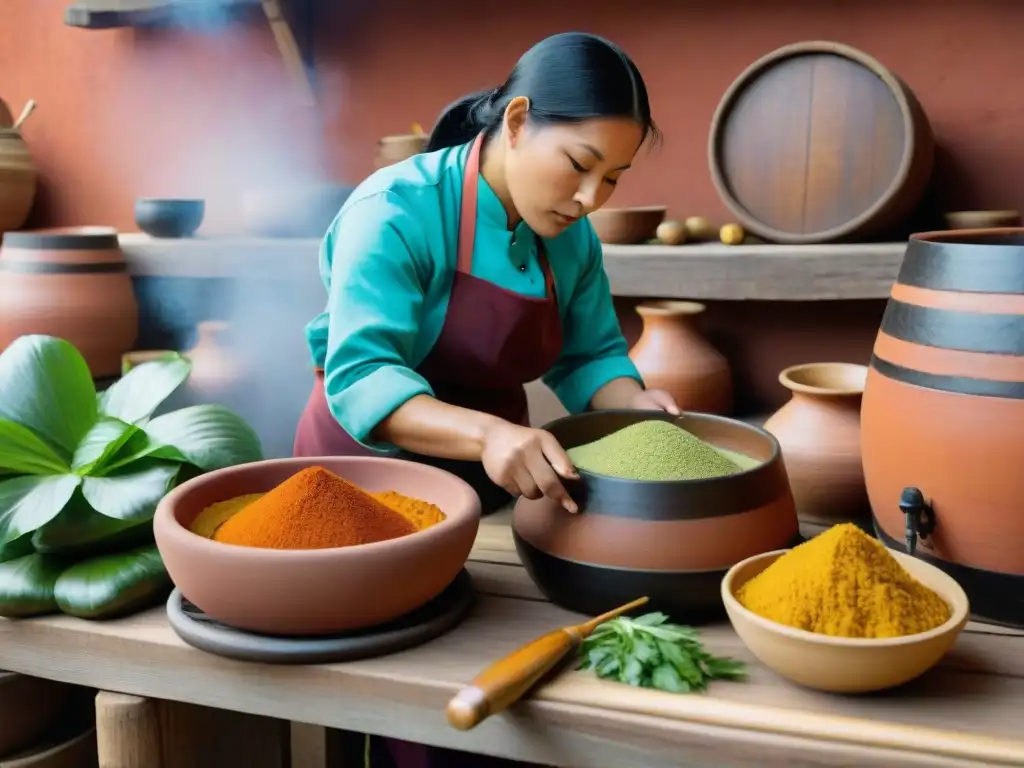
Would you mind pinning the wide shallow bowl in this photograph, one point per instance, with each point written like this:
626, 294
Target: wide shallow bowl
318, 591
169, 218
845, 664
672, 540
627, 226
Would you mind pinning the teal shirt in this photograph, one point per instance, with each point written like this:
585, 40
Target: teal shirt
388, 261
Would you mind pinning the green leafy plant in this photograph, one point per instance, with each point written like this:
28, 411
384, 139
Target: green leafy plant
81, 473
650, 652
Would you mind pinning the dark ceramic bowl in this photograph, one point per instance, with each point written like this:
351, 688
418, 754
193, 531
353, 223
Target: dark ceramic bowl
317, 591
672, 541
169, 218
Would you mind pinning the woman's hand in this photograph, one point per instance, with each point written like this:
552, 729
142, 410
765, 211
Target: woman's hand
527, 462
654, 400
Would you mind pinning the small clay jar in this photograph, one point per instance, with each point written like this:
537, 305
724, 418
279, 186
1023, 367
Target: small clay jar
394, 149
819, 431
673, 355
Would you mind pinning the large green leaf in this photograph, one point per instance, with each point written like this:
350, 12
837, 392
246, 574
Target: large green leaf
23, 453
31, 501
101, 442
113, 585
27, 585
208, 436
80, 530
133, 492
135, 396
46, 386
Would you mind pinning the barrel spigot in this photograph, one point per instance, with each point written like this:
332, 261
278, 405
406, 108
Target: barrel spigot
919, 516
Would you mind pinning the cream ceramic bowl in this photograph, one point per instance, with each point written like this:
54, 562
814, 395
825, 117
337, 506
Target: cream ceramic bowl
317, 591
843, 664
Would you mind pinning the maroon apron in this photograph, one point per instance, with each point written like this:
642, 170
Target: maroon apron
493, 341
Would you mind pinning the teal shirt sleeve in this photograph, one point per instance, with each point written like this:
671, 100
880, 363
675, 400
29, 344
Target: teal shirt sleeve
379, 267
594, 351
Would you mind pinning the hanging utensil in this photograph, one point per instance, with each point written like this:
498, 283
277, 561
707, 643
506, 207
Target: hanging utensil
30, 107
505, 682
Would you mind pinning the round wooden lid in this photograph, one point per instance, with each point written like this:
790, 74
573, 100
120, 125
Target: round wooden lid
811, 139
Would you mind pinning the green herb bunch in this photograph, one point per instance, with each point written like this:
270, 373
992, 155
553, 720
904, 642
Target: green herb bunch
81, 475
650, 652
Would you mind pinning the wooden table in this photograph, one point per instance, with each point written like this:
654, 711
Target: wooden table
966, 712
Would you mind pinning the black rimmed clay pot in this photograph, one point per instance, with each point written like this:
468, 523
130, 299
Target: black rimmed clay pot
169, 218
672, 541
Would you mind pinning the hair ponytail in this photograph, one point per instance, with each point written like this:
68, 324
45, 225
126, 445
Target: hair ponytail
568, 78
462, 120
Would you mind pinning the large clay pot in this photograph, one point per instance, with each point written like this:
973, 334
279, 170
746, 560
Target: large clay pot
17, 177
942, 425
671, 354
215, 367
70, 283
672, 540
819, 431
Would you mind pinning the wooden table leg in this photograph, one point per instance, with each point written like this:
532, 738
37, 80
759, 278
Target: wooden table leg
127, 731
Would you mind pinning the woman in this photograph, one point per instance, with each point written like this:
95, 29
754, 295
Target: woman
459, 275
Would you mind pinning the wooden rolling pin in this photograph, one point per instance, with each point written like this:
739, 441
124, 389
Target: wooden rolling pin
505, 682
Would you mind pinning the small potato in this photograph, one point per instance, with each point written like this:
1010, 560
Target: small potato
732, 234
699, 228
671, 233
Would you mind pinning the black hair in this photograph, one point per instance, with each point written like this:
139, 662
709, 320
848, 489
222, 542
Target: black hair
568, 78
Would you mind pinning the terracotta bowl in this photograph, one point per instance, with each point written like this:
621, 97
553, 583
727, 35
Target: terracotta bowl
844, 664
320, 591
627, 226
673, 540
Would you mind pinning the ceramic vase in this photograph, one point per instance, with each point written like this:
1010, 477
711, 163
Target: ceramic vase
17, 176
819, 432
215, 368
673, 355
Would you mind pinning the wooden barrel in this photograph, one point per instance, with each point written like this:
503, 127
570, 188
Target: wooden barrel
73, 284
818, 142
672, 540
942, 423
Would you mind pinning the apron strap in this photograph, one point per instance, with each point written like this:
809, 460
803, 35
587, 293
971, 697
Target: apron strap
467, 214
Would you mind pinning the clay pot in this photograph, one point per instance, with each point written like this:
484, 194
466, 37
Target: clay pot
672, 541
671, 354
943, 414
273, 591
17, 180
394, 149
819, 431
29, 706
215, 367
627, 226
71, 283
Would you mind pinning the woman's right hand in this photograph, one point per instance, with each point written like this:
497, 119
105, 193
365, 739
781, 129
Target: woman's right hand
527, 462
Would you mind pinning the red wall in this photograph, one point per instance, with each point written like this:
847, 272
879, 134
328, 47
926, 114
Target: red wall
124, 114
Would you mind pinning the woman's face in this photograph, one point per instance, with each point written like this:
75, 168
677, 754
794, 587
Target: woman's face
557, 174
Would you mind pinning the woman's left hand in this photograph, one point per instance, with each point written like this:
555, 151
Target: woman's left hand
655, 400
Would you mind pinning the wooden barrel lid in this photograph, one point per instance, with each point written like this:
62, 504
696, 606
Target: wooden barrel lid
816, 141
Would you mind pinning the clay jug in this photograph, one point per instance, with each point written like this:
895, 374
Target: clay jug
17, 176
72, 283
673, 355
215, 367
819, 431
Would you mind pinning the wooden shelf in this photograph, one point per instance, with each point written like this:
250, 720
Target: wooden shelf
706, 271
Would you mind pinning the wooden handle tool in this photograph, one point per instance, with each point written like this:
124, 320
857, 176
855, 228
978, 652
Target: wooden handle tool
506, 681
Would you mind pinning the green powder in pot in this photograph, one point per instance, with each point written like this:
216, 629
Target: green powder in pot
652, 450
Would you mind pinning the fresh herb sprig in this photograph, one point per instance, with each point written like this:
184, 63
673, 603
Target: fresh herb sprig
650, 652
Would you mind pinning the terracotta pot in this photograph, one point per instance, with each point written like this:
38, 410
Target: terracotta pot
943, 414
71, 283
672, 541
269, 591
17, 180
627, 226
819, 431
215, 367
394, 149
29, 706
671, 354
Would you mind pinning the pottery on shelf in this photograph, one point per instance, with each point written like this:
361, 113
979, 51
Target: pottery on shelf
673, 355
627, 226
72, 283
17, 176
943, 417
215, 366
394, 149
165, 218
672, 541
819, 431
